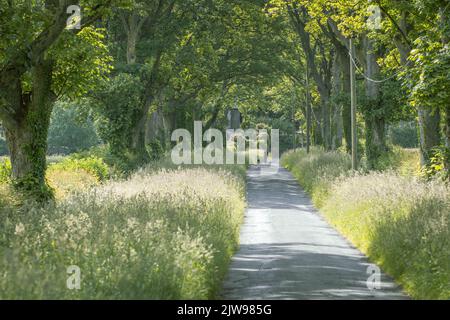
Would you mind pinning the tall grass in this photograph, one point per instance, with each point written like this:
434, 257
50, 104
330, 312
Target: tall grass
316, 170
158, 235
400, 222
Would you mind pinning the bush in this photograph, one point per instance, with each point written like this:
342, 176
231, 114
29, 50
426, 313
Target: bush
64, 175
93, 165
5, 170
158, 235
438, 168
155, 149
400, 222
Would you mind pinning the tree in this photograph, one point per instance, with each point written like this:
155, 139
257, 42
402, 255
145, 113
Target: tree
30, 75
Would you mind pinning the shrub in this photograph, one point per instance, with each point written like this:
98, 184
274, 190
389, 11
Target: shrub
93, 165
63, 175
439, 164
157, 235
155, 149
5, 170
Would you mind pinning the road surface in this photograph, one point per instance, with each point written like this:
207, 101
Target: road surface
288, 251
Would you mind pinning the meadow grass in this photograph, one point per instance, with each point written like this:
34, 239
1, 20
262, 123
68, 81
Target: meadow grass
160, 234
398, 220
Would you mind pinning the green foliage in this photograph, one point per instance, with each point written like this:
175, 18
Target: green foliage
69, 130
94, 165
439, 164
124, 241
5, 170
285, 127
3, 147
117, 107
155, 149
429, 79
82, 62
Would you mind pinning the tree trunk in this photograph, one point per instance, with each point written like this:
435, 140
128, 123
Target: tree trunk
447, 140
445, 42
429, 133
325, 105
346, 107
428, 120
374, 117
308, 114
27, 139
336, 140
138, 147
132, 25
447, 126
131, 46
322, 79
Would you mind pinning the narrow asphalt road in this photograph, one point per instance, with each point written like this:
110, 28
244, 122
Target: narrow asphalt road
288, 251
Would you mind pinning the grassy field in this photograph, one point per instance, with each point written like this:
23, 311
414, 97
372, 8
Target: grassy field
162, 233
398, 220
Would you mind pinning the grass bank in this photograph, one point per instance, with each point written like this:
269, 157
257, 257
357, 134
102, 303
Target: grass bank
160, 234
399, 221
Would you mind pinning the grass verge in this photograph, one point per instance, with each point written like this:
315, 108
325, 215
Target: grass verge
166, 234
400, 222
